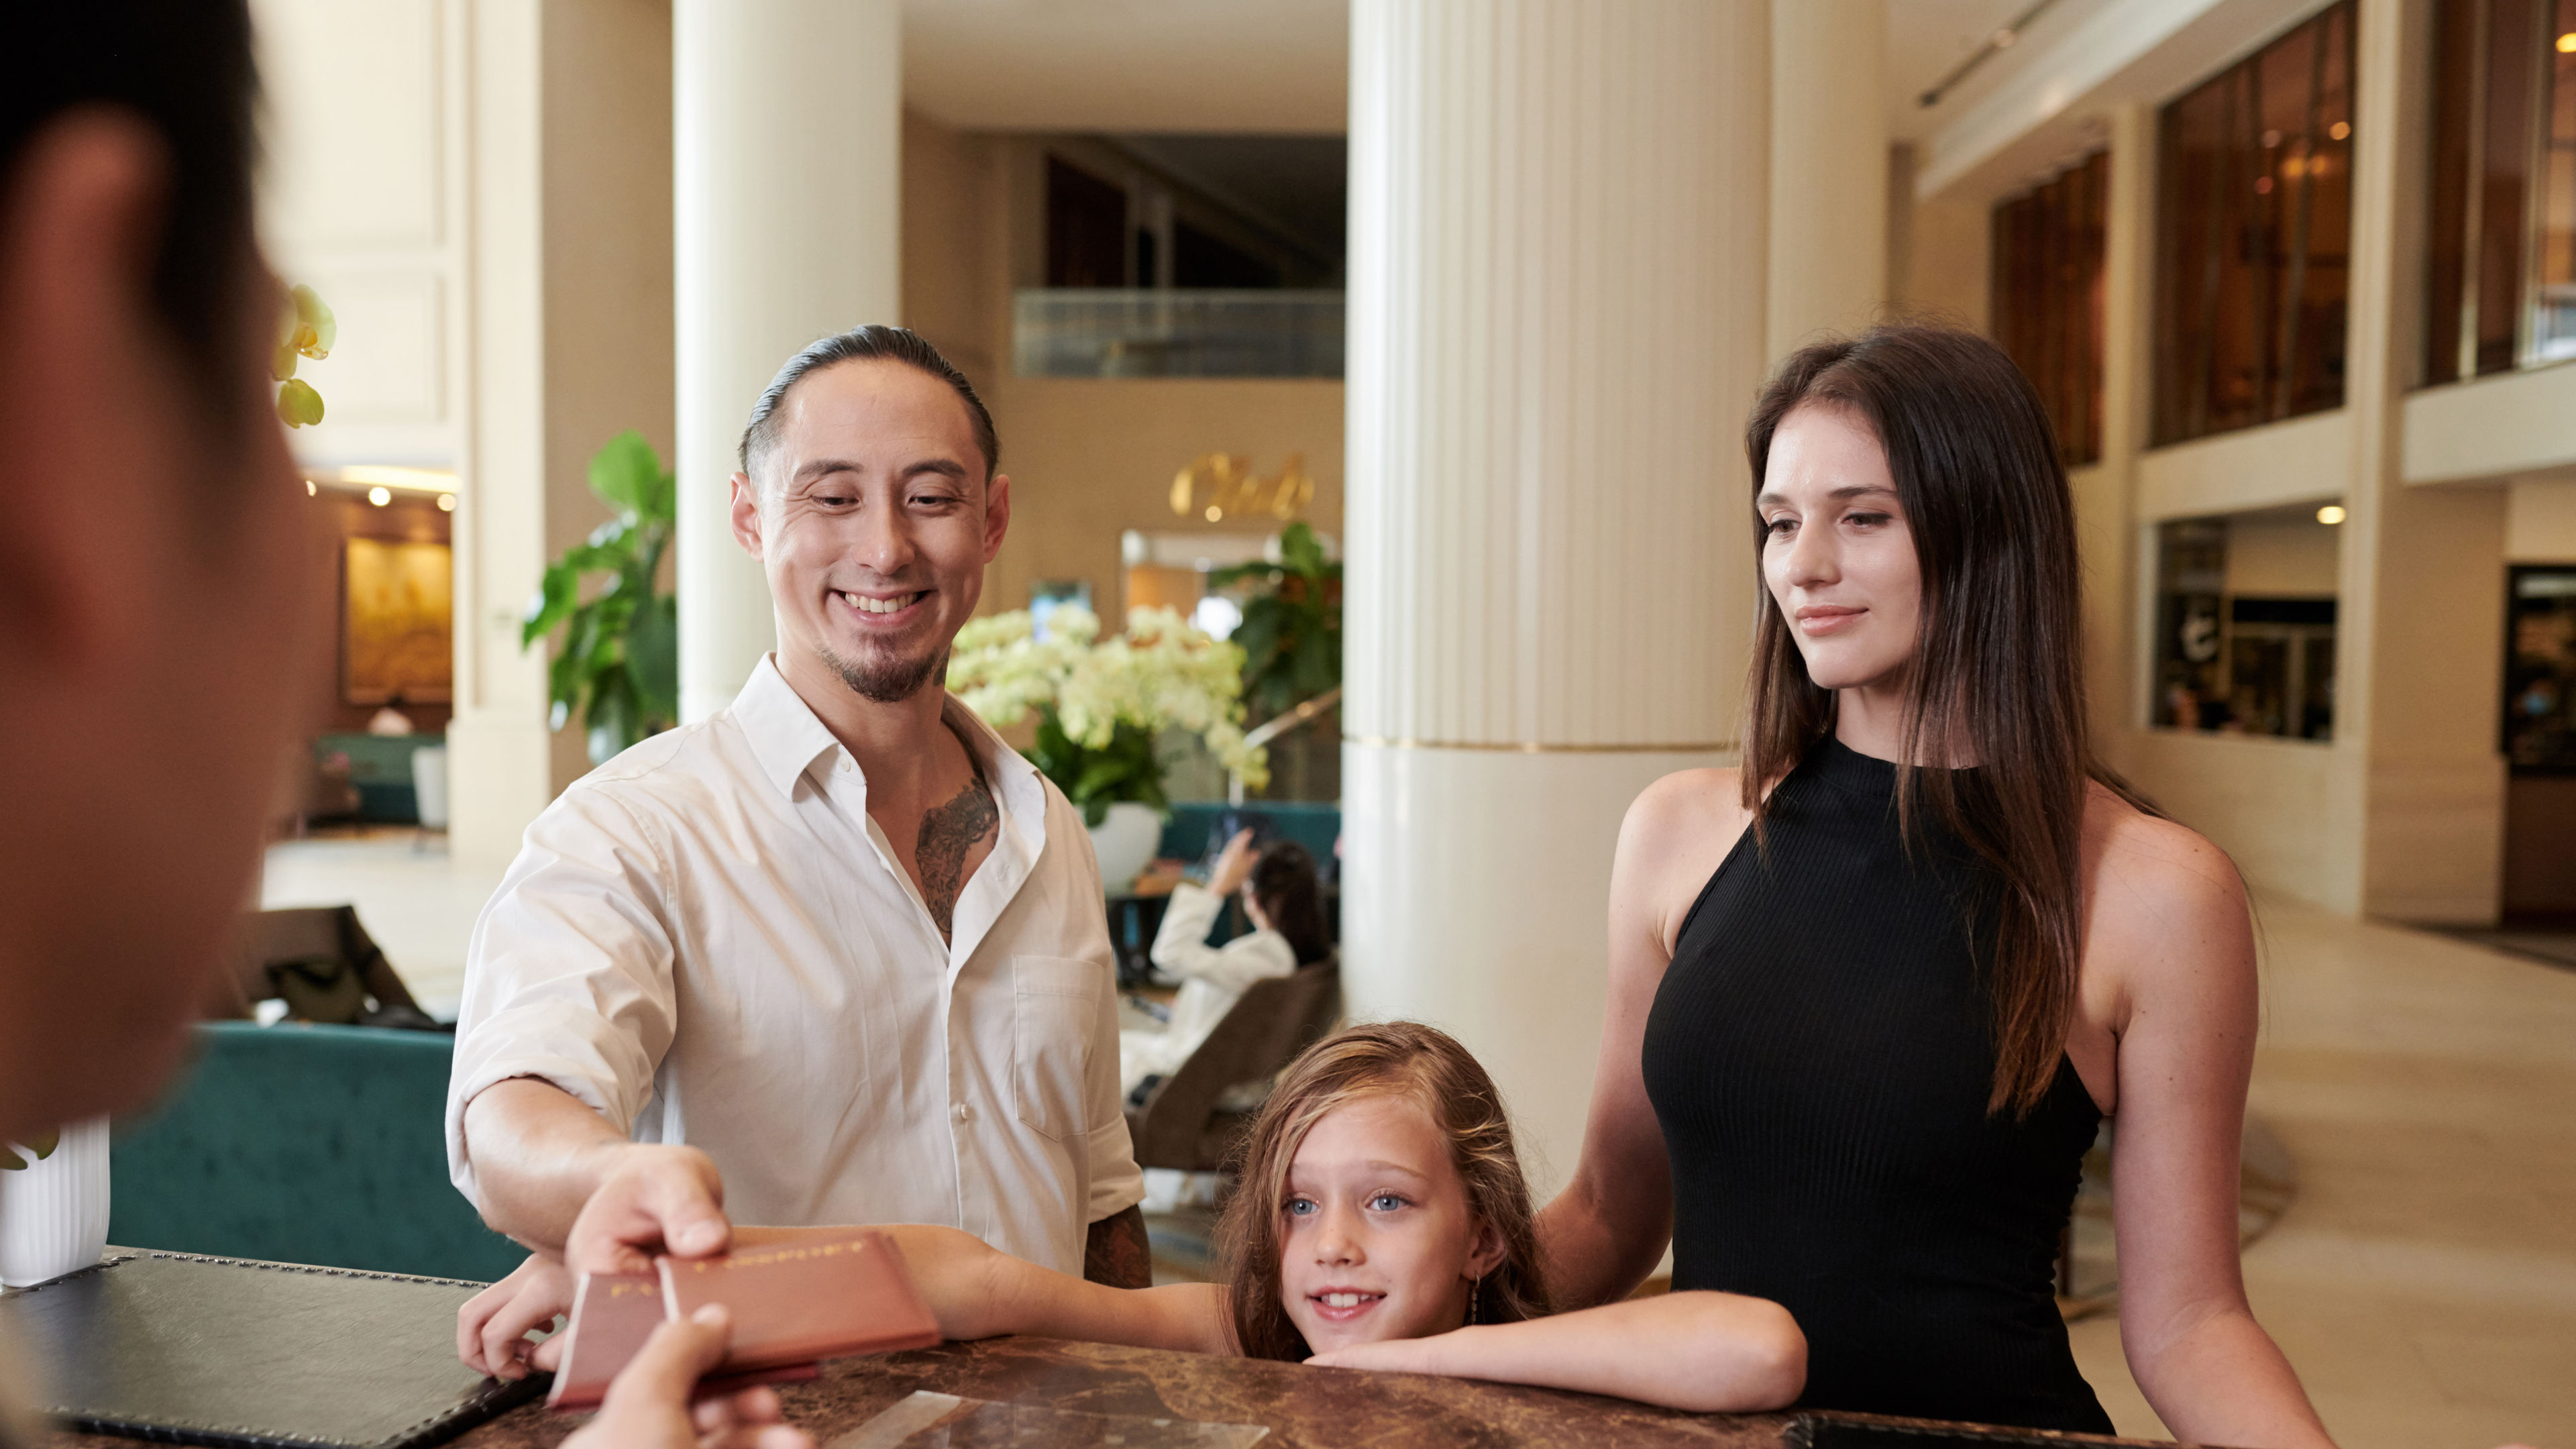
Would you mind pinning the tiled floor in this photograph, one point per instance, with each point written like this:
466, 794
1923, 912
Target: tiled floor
2423, 1282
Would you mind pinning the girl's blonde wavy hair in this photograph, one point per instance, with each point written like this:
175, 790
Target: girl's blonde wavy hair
1388, 1059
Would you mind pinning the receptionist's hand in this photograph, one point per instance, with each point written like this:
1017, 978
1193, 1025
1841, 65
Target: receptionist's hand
651, 1200
492, 1328
648, 1402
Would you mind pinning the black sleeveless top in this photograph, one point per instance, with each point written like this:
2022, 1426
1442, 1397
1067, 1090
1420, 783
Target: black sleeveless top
1819, 1056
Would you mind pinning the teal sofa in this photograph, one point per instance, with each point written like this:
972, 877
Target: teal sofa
1313, 825
304, 1144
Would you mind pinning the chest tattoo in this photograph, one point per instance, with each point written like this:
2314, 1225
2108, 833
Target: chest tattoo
949, 834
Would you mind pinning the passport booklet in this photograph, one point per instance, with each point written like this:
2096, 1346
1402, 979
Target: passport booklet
793, 1304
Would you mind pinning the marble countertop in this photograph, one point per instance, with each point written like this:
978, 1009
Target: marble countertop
1303, 1408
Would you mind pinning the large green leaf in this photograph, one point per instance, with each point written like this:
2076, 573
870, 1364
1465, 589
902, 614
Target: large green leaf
653, 658
556, 594
628, 474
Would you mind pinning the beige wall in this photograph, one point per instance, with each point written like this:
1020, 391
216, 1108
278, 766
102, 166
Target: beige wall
2540, 522
1087, 459
2281, 556
607, 260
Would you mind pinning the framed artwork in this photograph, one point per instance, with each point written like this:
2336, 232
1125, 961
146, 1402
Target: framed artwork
396, 622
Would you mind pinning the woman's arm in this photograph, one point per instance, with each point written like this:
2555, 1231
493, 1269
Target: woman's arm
2168, 915
1605, 1232
1705, 1352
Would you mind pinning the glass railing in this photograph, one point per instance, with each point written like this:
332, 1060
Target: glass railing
1104, 332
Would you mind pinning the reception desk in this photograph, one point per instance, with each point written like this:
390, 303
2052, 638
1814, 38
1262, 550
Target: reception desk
228, 1351
1302, 1408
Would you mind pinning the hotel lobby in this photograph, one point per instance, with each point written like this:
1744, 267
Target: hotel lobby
1372, 381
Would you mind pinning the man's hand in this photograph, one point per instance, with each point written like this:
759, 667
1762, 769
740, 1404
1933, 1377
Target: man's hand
652, 1200
492, 1328
648, 1402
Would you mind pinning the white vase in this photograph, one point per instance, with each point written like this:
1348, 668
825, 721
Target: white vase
53, 1212
1123, 842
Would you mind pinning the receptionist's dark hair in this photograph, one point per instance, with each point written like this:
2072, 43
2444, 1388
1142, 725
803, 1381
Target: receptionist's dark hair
183, 68
1999, 664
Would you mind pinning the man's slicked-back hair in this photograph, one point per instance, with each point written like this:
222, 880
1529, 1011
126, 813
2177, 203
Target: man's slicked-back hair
184, 68
874, 342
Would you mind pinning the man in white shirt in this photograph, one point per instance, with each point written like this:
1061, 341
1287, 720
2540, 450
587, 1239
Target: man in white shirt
836, 954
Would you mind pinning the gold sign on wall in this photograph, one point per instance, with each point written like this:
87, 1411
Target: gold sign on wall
1218, 484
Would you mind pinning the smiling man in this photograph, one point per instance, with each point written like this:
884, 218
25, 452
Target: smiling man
836, 954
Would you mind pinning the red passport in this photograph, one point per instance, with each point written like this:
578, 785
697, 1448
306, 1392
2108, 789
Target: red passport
805, 1299
792, 1304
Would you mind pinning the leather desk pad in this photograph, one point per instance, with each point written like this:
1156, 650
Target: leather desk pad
192, 1350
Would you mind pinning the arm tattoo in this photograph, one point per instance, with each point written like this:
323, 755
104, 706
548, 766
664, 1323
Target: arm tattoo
948, 835
1117, 1253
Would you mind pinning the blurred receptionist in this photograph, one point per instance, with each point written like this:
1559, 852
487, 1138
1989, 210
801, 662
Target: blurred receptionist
1871, 995
836, 954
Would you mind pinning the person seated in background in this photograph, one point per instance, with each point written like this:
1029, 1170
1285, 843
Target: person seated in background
1382, 1222
1286, 903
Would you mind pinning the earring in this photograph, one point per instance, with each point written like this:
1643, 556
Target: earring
1475, 1291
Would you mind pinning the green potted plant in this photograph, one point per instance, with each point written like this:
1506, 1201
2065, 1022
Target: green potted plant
617, 661
1099, 705
1291, 636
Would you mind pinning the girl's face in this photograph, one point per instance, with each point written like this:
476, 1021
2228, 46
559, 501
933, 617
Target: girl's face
1836, 553
1377, 1240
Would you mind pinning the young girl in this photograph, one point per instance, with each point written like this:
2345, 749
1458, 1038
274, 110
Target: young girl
1285, 902
1380, 1222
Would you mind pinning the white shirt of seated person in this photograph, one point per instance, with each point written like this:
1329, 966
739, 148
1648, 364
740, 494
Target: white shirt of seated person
1214, 978
709, 941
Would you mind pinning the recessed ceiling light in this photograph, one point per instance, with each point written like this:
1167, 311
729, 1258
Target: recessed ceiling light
2331, 513
380, 495
447, 503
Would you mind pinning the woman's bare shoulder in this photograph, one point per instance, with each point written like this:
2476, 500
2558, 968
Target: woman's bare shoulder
1687, 806
2157, 863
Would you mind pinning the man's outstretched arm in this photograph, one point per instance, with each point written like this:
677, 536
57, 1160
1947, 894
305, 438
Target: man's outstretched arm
554, 1175
1117, 1253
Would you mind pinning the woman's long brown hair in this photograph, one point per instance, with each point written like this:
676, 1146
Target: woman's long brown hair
1387, 1059
1998, 675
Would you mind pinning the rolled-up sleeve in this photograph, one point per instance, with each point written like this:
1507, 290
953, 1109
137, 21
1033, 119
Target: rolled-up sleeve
569, 975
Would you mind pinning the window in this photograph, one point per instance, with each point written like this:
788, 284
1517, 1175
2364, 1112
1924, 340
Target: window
2253, 237
1186, 256
2047, 291
2540, 670
2245, 623
2500, 274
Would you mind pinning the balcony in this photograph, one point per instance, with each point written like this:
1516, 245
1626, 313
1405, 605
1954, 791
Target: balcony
1111, 332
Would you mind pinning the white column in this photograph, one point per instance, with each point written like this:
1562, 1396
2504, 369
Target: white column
787, 139
1828, 169
1556, 324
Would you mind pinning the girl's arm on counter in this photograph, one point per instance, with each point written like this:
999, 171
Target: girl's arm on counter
1705, 1352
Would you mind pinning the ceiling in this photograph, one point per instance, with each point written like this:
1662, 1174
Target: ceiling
1246, 66
1926, 39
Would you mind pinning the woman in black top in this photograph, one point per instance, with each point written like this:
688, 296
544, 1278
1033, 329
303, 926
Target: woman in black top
1870, 995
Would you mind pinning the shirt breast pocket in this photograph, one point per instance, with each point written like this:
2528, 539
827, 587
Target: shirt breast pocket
1056, 1003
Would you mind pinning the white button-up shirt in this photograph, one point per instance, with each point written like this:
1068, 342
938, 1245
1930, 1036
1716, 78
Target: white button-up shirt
708, 941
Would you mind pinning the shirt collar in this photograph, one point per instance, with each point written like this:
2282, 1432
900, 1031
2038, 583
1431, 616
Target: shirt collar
787, 737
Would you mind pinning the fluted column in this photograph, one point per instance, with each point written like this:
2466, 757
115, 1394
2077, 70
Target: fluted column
787, 137
1556, 323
